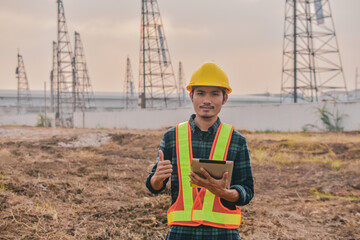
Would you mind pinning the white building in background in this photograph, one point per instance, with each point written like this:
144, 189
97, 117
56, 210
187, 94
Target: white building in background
106, 101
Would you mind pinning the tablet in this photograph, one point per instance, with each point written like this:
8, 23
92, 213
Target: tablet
215, 168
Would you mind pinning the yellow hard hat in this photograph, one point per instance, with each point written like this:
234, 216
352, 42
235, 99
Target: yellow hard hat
209, 74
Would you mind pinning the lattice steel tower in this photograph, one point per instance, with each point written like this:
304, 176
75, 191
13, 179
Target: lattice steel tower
65, 73
312, 66
182, 83
157, 83
129, 83
53, 78
23, 91
84, 99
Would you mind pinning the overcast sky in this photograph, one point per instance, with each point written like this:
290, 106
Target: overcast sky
243, 36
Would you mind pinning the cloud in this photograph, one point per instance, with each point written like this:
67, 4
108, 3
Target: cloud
105, 27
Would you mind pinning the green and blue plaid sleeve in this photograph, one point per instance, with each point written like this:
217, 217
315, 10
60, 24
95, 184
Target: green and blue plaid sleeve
242, 178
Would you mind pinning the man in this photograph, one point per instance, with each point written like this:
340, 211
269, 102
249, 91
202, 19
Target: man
211, 211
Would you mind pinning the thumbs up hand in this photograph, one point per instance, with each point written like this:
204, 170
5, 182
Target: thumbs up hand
163, 171
161, 156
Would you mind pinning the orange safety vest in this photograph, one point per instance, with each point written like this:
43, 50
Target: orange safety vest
193, 208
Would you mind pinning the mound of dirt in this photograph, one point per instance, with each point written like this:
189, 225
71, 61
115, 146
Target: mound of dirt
88, 140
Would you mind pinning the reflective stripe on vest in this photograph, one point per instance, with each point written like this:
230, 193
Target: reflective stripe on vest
184, 155
184, 211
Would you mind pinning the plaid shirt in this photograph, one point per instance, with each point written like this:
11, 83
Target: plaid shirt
242, 179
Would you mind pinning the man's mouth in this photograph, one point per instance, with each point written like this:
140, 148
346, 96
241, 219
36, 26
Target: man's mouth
207, 107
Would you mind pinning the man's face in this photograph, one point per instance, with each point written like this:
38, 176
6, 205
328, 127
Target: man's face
208, 101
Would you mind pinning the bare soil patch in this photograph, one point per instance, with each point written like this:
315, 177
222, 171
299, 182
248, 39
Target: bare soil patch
89, 184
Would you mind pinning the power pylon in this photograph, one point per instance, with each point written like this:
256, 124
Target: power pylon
65, 73
23, 91
129, 82
182, 83
157, 83
312, 66
53, 77
84, 99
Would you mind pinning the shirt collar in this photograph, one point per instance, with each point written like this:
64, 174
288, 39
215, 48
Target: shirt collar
211, 129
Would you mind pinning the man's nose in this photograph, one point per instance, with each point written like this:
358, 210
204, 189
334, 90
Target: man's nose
207, 99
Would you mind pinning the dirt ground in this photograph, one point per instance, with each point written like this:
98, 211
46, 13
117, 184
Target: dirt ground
89, 184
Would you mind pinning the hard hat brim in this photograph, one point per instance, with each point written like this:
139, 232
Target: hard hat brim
190, 87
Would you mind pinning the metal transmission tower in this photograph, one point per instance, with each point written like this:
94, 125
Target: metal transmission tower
182, 83
312, 65
157, 83
84, 99
65, 73
23, 91
53, 77
129, 82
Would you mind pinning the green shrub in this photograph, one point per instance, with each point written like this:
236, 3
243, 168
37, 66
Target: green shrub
331, 120
43, 121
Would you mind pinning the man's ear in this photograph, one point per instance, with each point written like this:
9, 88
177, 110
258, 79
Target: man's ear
225, 98
191, 94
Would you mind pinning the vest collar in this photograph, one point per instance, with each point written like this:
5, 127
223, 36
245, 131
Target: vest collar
211, 129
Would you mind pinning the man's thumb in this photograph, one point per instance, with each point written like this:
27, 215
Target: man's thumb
161, 156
